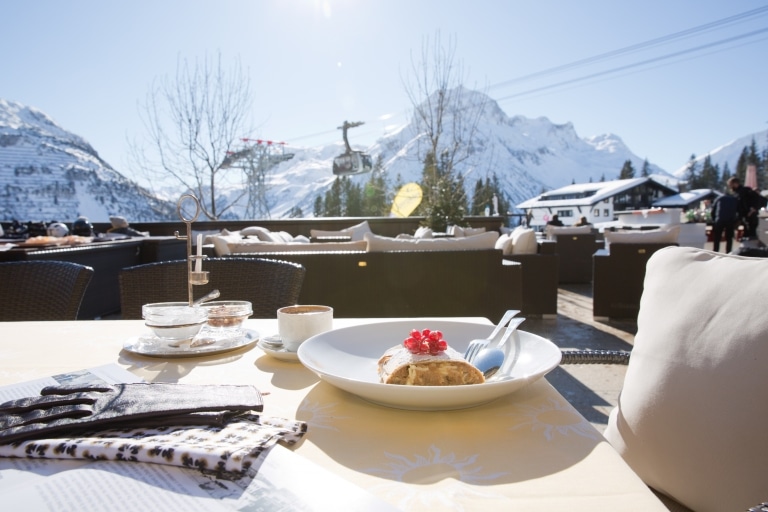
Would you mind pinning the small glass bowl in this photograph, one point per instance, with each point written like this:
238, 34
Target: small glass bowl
227, 314
174, 320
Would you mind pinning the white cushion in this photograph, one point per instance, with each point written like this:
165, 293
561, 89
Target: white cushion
221, 243
553, 231
423, 232
378, 243
251, 245
280, 236
207, 234
504, 242
258, 232
458, 231
651, 236
692, 416
524, 241
356, 232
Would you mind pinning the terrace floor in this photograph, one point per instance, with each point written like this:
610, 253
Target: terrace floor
593, 389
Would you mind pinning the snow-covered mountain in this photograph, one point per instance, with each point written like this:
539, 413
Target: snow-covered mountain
727, 153
527, 155
48, 173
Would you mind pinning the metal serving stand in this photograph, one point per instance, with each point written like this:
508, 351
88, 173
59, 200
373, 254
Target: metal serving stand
195, 273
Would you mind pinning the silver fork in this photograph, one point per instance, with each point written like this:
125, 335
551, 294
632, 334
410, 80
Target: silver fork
476, 346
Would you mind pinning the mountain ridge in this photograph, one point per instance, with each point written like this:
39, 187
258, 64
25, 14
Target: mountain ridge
49, 173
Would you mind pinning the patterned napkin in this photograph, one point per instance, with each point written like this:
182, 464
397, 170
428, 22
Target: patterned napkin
233, 448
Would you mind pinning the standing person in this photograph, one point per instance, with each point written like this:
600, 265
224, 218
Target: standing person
750, 203
725, 215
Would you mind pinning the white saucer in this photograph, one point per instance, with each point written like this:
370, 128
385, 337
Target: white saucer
213, 342
276, 352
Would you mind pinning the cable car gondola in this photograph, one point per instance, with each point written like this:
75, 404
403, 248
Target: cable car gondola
351, 162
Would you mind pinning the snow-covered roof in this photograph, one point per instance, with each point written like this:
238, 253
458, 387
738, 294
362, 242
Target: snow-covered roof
586, 194
684, 199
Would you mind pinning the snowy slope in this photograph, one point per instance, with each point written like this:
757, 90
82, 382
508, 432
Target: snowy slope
48, 173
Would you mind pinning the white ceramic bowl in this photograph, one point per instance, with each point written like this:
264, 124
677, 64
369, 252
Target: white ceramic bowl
174, 320
348, 359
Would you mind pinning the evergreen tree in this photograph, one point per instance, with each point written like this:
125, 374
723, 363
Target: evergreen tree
503, 199
646, 170
723, 185
318, 209
741, 164
483, 194
375, 194
444, 199
710, 175
627, 171
691, 173
352, 198
333, 200
478, 197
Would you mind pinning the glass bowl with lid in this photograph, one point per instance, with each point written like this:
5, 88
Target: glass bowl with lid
174, 321
227, 314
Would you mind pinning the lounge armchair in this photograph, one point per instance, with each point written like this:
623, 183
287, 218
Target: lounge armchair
267, 284
42, 290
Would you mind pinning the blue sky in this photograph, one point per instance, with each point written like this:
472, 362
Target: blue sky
313, 64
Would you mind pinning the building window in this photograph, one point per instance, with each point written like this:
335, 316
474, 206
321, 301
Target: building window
596, 212
606, 213
564, 213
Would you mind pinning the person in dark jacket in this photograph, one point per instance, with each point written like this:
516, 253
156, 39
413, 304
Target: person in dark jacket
750, 203
555, 221
725, 216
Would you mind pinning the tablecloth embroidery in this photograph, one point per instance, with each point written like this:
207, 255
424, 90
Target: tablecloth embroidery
232, 448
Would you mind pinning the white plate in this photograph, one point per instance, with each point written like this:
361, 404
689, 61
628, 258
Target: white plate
348, 359
215, 342
278, 353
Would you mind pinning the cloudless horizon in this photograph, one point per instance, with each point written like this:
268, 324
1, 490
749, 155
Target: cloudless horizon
671, 79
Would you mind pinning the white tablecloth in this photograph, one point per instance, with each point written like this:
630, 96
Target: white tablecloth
527, 451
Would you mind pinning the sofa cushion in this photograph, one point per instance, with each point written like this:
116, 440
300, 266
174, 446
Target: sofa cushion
524, 241
650, 236
251, 246
504, 242
378, 243
692, 414
553, 231
356, 232
259, 232
281, 237
423, 232
458, 231
221, 243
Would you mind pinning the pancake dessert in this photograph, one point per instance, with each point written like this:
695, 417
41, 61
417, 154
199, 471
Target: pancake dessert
425, 359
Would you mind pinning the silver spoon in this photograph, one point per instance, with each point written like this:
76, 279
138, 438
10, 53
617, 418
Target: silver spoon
490, 359
213, 294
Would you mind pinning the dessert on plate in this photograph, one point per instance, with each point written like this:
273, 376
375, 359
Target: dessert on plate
425, 359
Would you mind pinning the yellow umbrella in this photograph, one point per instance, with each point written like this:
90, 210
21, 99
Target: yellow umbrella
407, 200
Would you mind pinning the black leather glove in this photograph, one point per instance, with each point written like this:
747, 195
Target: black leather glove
71, 409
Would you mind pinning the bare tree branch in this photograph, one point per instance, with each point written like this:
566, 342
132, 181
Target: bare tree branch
193, 121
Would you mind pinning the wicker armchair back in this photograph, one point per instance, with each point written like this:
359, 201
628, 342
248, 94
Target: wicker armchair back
267, 284
42, 290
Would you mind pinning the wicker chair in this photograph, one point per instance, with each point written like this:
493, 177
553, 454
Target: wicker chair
42, 290
267, 284
595, 357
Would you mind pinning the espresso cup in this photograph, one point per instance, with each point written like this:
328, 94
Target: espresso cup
296, 324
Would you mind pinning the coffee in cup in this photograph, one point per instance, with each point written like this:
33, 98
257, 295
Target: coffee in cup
296, 324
